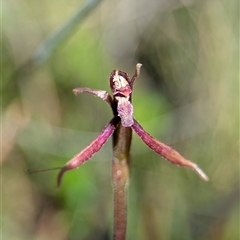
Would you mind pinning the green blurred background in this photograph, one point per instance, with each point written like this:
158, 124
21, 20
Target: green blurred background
187, 96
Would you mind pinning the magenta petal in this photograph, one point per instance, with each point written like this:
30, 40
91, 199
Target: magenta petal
165, 151
91, 149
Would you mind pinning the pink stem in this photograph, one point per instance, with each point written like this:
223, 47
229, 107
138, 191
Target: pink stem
120, 174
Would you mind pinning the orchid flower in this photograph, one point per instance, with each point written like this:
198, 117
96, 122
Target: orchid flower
123, 121
120, 127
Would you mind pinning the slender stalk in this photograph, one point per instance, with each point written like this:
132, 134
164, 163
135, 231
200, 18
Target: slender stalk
120, 175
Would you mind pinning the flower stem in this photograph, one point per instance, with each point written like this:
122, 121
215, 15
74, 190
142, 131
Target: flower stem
122, 137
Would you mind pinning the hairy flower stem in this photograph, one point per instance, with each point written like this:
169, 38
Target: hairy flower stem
122, 137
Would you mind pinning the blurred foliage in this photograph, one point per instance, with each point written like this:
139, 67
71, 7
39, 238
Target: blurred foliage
187, 96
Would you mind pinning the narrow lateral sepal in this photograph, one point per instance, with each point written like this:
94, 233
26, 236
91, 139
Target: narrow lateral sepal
166, 151
90, 150
98, 93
